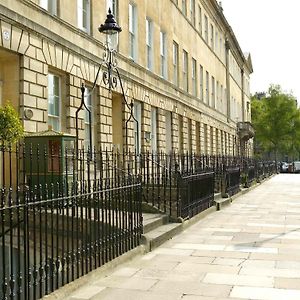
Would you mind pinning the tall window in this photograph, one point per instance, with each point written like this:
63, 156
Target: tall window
175, 63
137, 112
184, 9
192, 9
185, 71
212, 36
211, 140
84, 15
149, 43
221, 99
163, 55
54, 101
201, 83
88, 121
189, 136
197, 132
154, 129
217, 94
216, 41
169, 134
180, 134
213, 92
194, 77
205, 138
207, 88
50, 5
200, 19
132, 31
206, 28
113, 5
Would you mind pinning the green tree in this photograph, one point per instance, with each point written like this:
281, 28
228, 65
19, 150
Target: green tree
11, 128
276, 120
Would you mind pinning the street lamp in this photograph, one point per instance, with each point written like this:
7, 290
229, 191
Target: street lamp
111, 29
110, 75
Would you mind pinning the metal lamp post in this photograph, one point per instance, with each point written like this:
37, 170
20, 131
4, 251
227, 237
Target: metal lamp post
110, 75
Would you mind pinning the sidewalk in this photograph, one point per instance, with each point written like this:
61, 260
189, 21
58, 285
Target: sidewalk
248, 250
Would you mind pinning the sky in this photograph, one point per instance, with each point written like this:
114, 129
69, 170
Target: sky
270, 31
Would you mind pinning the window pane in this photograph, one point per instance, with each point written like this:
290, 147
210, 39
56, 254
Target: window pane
54, 101
44, 4
153, 128
112, 4
130, 18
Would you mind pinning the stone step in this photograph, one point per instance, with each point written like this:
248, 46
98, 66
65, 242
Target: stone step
153, 221
158, 236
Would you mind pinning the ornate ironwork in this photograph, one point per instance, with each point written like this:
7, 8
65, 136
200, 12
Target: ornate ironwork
110, 78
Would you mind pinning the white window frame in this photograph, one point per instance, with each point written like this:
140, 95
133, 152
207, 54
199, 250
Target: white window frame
216, 41
133, 23
205, 137
90, 105
180, 134
189, 136
192, 12
163, 54
185, 77
207, 88
175, 63
184, 7
154, 129
206, 28
213, 91
201, 83
137, 113
194, 77
169, 133
114, 6
200, 19
221, 98
81, 11
54, 119
212, 37
50, 6
149, 43
217, 94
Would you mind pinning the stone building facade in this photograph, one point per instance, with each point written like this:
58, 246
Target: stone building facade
179, 61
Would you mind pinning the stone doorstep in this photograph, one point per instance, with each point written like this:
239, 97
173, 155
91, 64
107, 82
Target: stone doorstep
159, 235
153, 221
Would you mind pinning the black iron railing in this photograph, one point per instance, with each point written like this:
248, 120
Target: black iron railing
195, 193
64, 213
62, 216
178, 185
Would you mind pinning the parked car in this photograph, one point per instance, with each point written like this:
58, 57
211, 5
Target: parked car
296, 166
284, 167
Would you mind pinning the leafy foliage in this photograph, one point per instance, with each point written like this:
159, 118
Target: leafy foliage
276, 120
11, 128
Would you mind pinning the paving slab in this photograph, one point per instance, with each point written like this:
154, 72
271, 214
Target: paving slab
248, 250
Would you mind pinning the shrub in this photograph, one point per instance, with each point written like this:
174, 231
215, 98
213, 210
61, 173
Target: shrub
11, 128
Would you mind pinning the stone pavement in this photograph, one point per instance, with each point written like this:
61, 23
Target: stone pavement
248, 250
